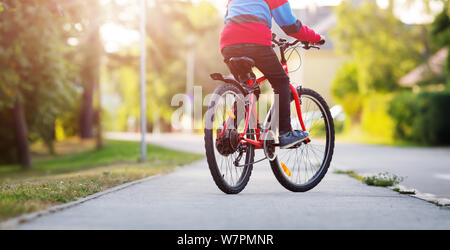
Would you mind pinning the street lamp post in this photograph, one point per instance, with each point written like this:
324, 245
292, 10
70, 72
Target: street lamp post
143, 4
190, 74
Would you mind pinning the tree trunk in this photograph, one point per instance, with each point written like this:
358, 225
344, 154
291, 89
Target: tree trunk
98, 89
87, 112
99, 135
50, 141
90, 75
21, 134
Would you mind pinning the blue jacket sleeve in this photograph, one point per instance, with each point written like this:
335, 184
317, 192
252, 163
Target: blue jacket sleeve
284, 17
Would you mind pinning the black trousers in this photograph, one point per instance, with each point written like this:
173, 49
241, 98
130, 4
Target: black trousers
267, 62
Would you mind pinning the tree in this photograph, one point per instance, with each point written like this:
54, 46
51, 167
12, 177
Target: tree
21, 134
90, 49
166, 68
85, 22
346, 92
36, 81
440, 36
383, 48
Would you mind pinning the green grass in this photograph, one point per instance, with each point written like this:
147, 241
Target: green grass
435, 203
379, 180
383, 180
65, 178
351, 174
113, 152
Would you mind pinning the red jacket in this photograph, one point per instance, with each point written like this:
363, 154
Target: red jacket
250, 21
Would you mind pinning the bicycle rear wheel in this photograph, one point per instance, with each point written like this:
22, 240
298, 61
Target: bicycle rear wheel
302, 167
223, 149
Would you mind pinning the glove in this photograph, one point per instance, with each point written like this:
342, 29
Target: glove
322, 41
307, 35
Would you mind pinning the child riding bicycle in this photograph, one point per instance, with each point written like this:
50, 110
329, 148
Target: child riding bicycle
248, 33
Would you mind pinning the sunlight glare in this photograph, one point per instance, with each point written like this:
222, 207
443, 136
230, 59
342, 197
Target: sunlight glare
116, 36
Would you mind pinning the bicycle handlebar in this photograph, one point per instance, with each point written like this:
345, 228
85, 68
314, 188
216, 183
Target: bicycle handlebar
285, 44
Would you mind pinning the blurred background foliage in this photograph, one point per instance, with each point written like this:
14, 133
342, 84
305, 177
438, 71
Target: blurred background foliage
61, 77
381, 50
34, 58
382, 47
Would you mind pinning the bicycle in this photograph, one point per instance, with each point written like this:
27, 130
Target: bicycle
233, 131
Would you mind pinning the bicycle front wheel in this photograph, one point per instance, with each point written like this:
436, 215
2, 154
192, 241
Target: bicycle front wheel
302, 167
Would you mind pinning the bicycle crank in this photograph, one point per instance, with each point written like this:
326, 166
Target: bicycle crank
269, 145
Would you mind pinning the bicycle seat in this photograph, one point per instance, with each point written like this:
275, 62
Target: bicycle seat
241, 68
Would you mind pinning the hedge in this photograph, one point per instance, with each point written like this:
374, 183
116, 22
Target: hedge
422, 118
403, 111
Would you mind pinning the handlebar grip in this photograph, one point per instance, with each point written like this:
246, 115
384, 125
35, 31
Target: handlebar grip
321, 42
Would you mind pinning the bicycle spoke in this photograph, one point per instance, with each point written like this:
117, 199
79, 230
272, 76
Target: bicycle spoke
226, 105
305, 161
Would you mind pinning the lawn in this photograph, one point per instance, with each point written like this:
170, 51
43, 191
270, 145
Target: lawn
59, 179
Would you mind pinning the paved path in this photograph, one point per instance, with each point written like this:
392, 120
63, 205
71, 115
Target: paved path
426, 170
189, 199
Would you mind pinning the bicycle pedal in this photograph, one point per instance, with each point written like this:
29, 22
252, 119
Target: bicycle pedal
296, 145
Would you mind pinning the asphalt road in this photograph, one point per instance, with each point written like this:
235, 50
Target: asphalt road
189, 199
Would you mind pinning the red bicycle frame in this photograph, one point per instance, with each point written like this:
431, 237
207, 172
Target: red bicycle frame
258, 143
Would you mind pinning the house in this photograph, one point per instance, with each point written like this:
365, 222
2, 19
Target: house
432, 69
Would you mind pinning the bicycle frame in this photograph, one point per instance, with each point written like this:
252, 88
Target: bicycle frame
251, 109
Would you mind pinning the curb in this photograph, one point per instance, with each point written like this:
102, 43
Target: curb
430, 198
14, 222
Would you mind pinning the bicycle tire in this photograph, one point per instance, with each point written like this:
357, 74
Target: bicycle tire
330, 143
210, 146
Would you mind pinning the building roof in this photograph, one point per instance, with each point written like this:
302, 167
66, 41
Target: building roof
432, 68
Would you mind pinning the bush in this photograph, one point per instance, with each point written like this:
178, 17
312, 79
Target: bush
345, 90
433, 122
403, 111
375, 118
440, 29
422, 118
383, 180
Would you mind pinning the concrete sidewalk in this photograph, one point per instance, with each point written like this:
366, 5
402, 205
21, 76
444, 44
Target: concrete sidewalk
425, 169
189, 199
